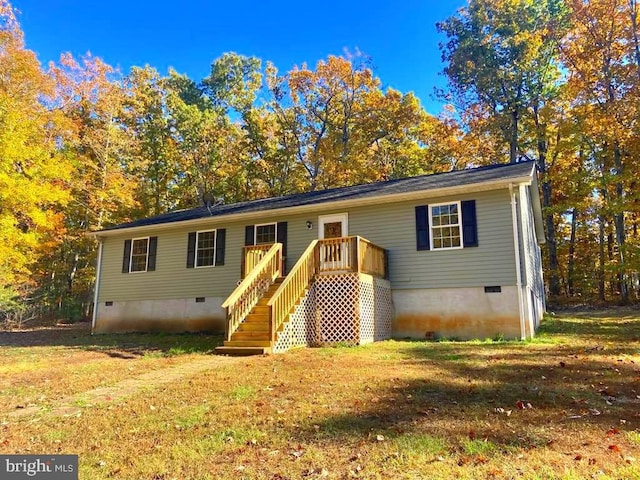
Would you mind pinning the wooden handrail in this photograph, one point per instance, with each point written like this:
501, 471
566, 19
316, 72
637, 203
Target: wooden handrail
351, 254
371, 258
251, 256
252, 288
291, 289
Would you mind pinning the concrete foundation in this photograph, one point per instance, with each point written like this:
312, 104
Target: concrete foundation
178, 315
464, 313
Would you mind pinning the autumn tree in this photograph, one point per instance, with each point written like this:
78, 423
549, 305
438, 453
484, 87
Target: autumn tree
91, 97
33, 175
152, 153
601, 55
502, 65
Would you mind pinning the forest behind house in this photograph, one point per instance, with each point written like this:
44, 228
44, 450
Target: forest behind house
84, 146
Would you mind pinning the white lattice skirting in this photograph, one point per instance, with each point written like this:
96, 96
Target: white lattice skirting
348, 308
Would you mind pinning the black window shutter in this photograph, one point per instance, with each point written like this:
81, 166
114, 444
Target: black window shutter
281, 232
249, 235
422, 227
469, 224
191, 250
151, 259
221, 236
126, 257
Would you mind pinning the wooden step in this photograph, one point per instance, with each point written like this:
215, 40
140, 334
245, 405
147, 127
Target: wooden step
242, 351
250, 336
254, 326
247, 343
260, 310
257, 318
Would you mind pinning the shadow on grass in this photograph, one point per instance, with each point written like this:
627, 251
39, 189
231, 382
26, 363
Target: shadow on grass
124, 346
458, 387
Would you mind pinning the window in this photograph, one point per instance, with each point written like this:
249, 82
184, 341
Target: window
265, 233
446, 226
139, 255
205, 248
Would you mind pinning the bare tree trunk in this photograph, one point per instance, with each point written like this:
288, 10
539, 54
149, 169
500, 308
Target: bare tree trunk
513, 140
601, 259
618, 221
572, 250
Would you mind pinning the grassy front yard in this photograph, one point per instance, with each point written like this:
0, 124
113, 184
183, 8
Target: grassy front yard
566, 405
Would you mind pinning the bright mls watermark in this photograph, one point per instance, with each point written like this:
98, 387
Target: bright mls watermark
45, 467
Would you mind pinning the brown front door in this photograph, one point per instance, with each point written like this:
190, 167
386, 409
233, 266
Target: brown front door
333, 255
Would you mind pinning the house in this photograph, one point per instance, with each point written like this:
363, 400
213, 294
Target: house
452, 254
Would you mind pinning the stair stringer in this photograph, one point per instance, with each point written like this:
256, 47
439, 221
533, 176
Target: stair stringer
300, 330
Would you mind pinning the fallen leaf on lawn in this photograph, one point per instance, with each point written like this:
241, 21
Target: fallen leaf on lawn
614, 448
380, 438
562, 364
594, 411
612, 431
472, 435
296, 453
578, 457
440, 458
239, 468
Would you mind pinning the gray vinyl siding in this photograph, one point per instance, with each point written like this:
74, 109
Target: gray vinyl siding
391, 226
532, 253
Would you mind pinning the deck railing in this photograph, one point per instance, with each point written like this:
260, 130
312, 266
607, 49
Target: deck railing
351, 254
292, 288
253, 287
251, 256
372, 259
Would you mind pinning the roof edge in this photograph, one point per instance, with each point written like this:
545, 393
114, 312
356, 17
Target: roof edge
394, 197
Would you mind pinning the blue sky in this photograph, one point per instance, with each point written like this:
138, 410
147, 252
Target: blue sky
401, 39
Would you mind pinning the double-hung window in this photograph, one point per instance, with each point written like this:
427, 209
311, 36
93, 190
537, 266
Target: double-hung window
446, 225
139, 259
266, 233
206, 248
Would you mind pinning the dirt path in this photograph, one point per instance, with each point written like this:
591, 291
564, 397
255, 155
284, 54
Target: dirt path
74, 404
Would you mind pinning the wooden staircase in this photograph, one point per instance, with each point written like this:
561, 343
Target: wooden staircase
252, 336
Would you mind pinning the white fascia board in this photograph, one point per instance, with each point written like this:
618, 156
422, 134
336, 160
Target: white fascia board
537, 210
323, 206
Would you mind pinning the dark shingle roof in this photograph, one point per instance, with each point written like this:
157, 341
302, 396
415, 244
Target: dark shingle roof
455, 178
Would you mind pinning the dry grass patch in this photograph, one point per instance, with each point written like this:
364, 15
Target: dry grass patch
563, 406
41, 366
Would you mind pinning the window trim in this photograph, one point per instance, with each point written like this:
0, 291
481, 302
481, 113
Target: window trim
215, 245
255, 233
146, 260
431, 226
